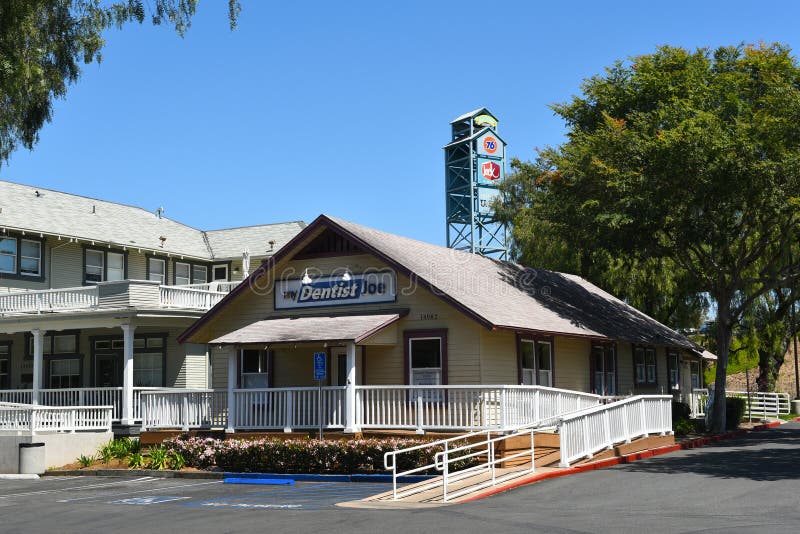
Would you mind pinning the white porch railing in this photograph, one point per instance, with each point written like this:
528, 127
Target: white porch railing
220, 286
49, 300
585, 433
184, 409
697, 402
93, 396
463, 407
29, 418
189, 298
289, 408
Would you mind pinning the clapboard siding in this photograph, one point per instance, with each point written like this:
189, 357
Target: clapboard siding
572, 363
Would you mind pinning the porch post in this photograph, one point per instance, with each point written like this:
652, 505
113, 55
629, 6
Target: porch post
38, 356
231, 386
350, 424
127, 374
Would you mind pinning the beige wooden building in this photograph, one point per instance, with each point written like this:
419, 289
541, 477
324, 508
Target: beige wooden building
395, 315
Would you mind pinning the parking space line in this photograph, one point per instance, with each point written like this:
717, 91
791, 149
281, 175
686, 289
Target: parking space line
71, 488
149, 490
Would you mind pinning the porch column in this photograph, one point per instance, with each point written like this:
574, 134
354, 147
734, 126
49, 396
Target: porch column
127, 374
232, 355
350, 423
38, 356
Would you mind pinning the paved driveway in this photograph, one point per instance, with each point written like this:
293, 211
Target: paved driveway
751, 484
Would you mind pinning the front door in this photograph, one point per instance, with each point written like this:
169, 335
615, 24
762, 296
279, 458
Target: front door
339, 357
108, 371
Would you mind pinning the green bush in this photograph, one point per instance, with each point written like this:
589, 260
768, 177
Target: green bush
85, 461
273, 455
106, 452
735, 408
136, 461
159, 458
683, 427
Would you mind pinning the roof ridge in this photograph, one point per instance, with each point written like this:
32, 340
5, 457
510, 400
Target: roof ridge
298, 222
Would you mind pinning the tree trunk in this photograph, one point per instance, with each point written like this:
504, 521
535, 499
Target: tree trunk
723, 335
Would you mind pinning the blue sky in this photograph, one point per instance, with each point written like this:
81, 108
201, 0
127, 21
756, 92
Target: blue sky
343, 107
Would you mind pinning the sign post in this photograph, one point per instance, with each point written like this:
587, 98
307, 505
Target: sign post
320, 372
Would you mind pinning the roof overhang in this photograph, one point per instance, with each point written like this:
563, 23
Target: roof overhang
313, 329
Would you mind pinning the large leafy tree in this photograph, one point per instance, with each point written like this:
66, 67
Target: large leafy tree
693, 158
44, 42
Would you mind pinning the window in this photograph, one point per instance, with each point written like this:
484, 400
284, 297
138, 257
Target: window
182, 274
255, 370
65, 373
21, 258
94, 266
5, 365
157, 270
220, 273
694, 370
116, 267
8, 255
199, 274
56, 344
536, 361
644, 361
30, 263
148, 369
673, 365
426, 361
604, 370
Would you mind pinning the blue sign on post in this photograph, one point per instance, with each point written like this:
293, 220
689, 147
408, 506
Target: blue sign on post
320, 365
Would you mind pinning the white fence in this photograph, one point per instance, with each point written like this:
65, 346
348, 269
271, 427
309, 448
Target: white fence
463, 407
184, 409
759, 404
585, 433
49, 300
96, 396
29, 418
189, 298
289, 408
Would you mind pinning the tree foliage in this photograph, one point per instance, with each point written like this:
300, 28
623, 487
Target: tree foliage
691, 158
44, 42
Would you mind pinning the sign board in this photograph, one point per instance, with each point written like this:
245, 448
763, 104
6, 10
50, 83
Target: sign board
320, 365
489, 144
490, 171
486, 197
365, 288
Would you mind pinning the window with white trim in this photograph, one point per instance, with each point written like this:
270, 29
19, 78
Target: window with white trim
536, 359
8, 255
694, 371
604, 366
5, 366
115, 269
425, 361
95, 266
157, 270
220, 273
673, 363
30, 258
183, 274
199, 274
645, 363
65, 373
254, 369
56, 344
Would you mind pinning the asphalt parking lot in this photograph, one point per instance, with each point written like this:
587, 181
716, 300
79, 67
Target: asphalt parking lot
748, 484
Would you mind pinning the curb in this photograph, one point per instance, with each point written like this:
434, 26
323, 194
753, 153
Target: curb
625, 459
219, 475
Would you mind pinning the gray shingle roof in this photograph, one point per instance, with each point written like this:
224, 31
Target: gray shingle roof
509, 295
309, 329
230, 242
63, 214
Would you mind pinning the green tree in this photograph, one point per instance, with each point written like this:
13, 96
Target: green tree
693, 158
43, 43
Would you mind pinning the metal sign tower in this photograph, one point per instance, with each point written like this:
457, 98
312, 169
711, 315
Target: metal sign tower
474, 166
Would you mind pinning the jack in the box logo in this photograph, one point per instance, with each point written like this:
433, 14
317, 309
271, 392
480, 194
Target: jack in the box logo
490, 170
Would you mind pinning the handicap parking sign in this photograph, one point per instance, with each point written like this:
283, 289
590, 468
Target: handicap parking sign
320, 365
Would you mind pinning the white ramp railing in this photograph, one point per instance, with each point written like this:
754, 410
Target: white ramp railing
30, 418
596, 429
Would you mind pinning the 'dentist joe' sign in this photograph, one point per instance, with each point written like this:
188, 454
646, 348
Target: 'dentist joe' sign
366, 288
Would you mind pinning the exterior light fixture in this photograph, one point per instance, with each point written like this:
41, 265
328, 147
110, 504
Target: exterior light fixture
346, 276
306, 279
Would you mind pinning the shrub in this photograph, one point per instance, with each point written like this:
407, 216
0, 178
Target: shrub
272, 455
176, 460
106, 452
85, 461
136, 461
735, 408
680, 411
159, 458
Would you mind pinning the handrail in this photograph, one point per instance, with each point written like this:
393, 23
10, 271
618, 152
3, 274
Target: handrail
36, 418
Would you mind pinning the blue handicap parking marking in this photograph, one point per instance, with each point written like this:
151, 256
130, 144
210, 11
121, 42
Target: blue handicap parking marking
144, 501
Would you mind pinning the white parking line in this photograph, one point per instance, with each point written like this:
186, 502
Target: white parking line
150, 490
72, 488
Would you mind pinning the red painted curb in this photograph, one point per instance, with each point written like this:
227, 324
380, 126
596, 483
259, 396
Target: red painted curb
796, 419
765, 426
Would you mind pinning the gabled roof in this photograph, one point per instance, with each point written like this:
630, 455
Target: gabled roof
230, 242
475, 135
497, 294
473, 113
39, 210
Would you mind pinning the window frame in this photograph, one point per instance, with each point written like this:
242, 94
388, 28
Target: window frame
536, 340
266, 362
6, 357
645, 366
227, 266
17, 274
105, 252
143, 348
409, 336
63, 357
676, 369
49, 339
605, 346
150, 259
192, 265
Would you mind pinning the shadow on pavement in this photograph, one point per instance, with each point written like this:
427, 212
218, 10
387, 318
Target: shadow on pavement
768, 456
